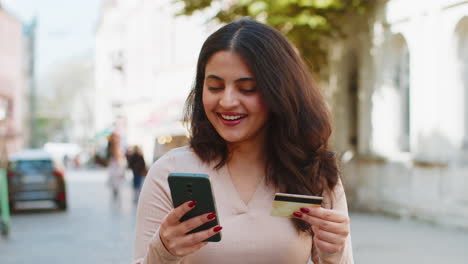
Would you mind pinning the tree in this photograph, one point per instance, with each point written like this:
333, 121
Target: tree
67, 113
307, 23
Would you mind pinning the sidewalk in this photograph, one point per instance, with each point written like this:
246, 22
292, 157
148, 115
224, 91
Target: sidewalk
97, 230
382, 239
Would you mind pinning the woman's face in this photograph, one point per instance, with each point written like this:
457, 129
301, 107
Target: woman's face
231, 100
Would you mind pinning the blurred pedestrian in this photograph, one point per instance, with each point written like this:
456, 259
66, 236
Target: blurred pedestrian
76, 161
65, 160
117, 166
136, 162
259, 125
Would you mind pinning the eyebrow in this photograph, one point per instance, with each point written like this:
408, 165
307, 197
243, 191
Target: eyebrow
243, 79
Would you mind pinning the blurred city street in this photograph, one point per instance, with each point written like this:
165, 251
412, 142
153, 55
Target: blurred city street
94, 229
97, 230
385, 240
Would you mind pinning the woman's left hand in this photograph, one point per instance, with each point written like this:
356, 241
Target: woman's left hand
331, 228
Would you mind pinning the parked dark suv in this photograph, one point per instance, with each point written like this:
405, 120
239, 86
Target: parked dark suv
33, 175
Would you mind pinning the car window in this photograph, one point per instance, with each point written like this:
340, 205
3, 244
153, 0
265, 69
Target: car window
31, 165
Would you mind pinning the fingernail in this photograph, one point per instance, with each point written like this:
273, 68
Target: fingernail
192, 203
298, 214
211, 216
305, 210
217, 229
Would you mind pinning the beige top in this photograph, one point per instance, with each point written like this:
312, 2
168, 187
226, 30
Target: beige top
249, 235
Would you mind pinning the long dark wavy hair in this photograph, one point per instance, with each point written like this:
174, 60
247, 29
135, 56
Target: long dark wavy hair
298, 159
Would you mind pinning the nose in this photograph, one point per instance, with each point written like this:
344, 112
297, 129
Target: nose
229, 98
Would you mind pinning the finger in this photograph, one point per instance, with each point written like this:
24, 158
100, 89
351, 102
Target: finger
326, 214
329, 237
325, 247
195, 238
176, 214
192, 223
333, 227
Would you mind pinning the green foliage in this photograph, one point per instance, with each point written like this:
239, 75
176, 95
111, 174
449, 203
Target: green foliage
46, 128
305, 22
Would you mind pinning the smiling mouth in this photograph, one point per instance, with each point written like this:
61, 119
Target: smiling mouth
232, 117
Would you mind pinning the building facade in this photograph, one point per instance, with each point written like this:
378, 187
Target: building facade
144, 68
399, 91
13, 92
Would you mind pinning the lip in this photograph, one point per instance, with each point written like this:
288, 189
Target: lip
231, 122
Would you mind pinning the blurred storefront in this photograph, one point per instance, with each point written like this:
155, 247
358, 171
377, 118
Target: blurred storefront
13, 92
398, 88
167, 127
145, 65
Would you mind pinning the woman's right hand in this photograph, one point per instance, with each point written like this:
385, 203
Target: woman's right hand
174, 234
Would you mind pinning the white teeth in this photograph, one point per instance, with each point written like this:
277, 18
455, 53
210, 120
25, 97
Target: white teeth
229, 117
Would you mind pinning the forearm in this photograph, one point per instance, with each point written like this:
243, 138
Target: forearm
154, 204
158, 254
344, 256
337, 202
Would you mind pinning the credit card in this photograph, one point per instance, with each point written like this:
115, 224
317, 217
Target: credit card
285, 204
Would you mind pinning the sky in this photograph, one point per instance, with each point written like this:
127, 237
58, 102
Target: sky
65, 29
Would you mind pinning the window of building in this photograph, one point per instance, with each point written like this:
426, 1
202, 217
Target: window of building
462, 57
5, 106
401, 81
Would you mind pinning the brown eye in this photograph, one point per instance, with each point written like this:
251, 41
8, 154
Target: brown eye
214, 88
214, 85
252, 90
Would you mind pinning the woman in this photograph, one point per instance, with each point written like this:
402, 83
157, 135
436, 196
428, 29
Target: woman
259, 126
117, 165
136, 162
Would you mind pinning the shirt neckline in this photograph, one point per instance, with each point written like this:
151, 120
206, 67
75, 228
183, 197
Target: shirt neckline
235, 193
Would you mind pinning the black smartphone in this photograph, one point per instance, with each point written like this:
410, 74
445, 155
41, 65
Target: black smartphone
195, 187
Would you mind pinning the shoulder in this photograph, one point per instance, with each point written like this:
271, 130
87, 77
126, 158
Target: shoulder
335, 198
181, 155
181, 159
